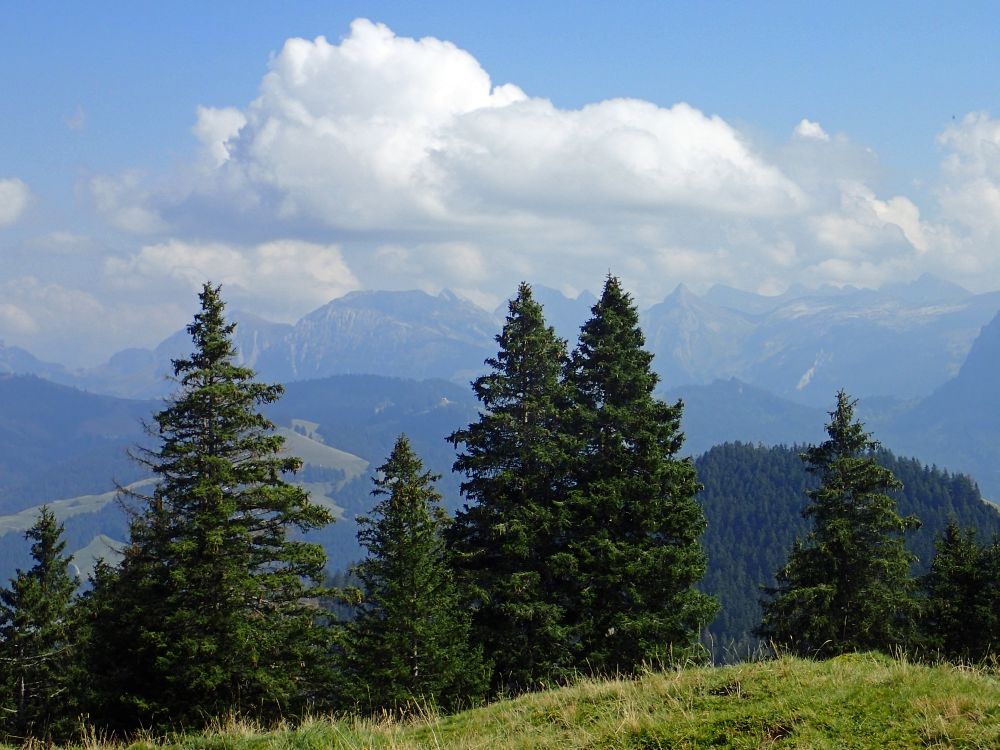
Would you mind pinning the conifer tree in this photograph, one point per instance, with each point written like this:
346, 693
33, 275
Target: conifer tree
636, 524
217, 589
509, 540
123, 689
409, 644
959, 618
847, 586
37, 640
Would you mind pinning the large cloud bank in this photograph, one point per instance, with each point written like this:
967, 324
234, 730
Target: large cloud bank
389, 162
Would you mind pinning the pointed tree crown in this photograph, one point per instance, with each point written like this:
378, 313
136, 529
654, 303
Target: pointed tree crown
610, 363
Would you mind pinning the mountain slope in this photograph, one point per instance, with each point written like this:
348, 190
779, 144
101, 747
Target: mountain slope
957, 425
67, 447
403, 334
872, 345
904, 340
57, 441
17, 361
730, 410
145, 373
695, 341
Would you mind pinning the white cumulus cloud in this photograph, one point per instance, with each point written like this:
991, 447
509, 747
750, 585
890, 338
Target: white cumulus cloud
215, 128
281, 279
381, 131
808, 129
14, 199
863, 221
971, 193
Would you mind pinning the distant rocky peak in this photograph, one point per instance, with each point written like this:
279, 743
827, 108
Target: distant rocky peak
682, 294
926, 289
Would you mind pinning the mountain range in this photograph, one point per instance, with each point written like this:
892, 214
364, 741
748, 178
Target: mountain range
370, 365
903, 341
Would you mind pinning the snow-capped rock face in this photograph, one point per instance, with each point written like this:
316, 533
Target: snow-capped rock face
870, 345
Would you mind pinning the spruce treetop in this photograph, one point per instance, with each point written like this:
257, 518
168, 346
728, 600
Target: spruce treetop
37, 640
847, 439
612, 348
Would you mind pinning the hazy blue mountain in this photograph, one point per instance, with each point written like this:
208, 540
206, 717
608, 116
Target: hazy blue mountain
66, 447
364, 414
403, 334
872, 344
958, 425
890, 348
760, 304
733, 411
145, 373
695, 341
17, 361
903, 341
927, 289
742, 301
57, 441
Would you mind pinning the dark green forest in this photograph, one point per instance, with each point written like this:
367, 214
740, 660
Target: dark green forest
753, 498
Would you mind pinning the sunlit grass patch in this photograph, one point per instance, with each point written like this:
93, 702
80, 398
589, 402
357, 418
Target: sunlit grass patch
852, 701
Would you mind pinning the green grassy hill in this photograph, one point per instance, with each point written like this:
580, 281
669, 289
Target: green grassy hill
853, 701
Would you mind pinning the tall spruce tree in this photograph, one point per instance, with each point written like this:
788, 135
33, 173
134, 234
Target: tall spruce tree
847, 586
636, 524
409, 644
509, 541
37, 640
215, 590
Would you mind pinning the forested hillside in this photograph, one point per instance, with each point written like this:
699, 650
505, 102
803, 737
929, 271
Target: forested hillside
753, 499
57, 441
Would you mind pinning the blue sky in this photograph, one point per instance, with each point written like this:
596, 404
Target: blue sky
820, 143
890, 74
